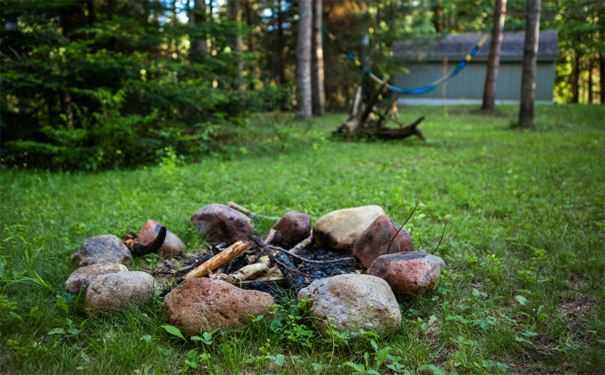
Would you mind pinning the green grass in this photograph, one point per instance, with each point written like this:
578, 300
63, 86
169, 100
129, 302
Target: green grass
525, 227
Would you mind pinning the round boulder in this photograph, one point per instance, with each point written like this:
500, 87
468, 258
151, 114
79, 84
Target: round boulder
116, 291
105, 248
353, 302
340, 229
81, 278
222, 224
203, 304
381, 237
291, 229
411, 273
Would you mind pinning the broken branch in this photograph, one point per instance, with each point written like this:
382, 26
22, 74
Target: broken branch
219, 259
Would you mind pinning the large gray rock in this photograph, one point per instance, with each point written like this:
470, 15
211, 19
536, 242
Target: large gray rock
202, 304
381, 237
81, 278
220, 223
411, 273
353, 302
340, 229
105, 248
291, 229
172, 246
116, 291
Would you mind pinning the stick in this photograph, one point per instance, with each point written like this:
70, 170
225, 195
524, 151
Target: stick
219, 259
302, 244
270, 236
339, 260
251, 270
239, 208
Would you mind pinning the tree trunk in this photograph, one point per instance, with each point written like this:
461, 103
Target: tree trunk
199, 44
235, 13
575, 84
281, 46
602, 76
92, 14
319, 95
493, 60
438, 16
303, 58
530, 54
590, 81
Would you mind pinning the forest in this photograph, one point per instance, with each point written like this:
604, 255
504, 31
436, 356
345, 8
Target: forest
302, 187
100, 84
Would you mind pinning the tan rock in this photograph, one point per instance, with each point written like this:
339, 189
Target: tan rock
81, 278
340, 229
117, 291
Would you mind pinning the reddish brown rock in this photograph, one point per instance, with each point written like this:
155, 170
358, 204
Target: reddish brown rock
381, 238
222, 224
291, 229
411, 273
202, 304
172, 246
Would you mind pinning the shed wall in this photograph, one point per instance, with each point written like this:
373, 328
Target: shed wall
468, 85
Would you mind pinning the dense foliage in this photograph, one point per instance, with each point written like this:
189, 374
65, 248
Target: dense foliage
112, 83
102, 83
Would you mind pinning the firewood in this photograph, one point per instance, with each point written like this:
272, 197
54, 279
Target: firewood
239, 208
302, 244
251, 270
219, 259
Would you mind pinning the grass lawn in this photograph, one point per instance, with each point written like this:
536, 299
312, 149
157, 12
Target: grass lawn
524, 214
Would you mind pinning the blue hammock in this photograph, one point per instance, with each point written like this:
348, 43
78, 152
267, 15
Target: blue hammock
431, 86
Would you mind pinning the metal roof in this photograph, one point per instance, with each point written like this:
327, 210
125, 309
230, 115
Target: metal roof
455, 47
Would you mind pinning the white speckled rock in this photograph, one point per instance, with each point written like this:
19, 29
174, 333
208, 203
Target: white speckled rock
116, 291
340, 229
105, 248
81, 278
353, 302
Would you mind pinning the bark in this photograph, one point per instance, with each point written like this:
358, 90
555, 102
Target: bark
590, 81
235, 13
530, 54
92, 14
319, 95
575, 84
199, 44
303, 58
438, 16
281, 46
493, 60
602, 76
219, 259
251, 20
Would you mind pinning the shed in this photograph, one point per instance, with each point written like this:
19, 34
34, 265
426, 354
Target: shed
428, 59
